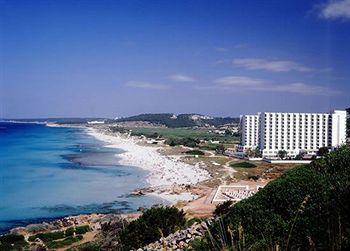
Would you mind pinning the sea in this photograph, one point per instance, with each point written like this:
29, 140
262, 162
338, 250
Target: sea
52, 172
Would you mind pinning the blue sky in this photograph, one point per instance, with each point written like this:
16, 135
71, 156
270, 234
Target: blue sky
223, 58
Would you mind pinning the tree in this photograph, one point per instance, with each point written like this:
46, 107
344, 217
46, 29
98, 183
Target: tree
254, 153
282, 154
228, 132
249, 152
257, 152
220, 149
322, 151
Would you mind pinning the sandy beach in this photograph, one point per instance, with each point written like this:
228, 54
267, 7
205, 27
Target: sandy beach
165, 172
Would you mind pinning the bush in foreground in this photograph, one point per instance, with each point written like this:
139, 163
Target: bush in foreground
151, 226
12, 242
306, 208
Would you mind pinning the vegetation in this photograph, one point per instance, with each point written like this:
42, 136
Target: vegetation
58, 239
195, 152
82, 229
151, 226
220, 149
209, 147
180, 136
110, 234
282, 154
12, 242
306, 208
65, 242
244, 164
181, 120
189, 142
46, 237
193, 220
322, 151
89, 246
254, 153
77, 230
223, 208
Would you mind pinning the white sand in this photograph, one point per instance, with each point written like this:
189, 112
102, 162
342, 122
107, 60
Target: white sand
164, 171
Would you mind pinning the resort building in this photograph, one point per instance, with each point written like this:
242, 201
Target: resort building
294, 133
250, 131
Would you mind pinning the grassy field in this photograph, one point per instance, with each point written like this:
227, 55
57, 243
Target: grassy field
201, 134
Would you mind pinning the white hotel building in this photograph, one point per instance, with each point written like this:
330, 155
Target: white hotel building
292, 132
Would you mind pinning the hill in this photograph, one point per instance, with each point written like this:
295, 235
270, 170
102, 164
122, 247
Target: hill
181, 120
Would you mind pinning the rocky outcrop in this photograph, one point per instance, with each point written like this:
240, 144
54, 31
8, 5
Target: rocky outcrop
179, 240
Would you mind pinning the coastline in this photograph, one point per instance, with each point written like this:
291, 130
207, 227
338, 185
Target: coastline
168, 177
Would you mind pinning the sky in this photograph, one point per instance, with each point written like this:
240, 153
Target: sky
223, 58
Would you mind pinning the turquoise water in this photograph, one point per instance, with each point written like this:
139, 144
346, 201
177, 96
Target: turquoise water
50, 172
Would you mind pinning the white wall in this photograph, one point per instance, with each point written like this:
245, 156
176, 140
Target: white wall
293, 132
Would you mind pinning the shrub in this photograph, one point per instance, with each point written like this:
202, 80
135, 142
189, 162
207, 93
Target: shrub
65, 242
210, 147
195, 152
12, 242
322, 151
190, 142
151, 226
89, 246
110, 233
45, 237
191, 221
70, 231
244, 164
82, 229
220, 149
306, 208
223, 208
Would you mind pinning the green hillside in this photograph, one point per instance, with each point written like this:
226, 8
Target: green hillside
181, 120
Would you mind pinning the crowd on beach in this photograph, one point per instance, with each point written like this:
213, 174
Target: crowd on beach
164, 171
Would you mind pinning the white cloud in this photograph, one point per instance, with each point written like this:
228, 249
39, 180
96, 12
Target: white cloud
336, 9
254, 84
146, 85
238, 81
270, 65
306, 89
181, 78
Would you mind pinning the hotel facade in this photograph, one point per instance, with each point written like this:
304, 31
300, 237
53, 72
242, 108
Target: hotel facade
292, 132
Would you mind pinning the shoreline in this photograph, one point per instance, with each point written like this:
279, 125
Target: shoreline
168, 178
